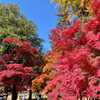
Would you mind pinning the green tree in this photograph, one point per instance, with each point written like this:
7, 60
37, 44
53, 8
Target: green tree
15, 24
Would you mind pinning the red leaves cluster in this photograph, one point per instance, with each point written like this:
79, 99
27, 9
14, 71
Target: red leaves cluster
65, 39
95, 5
78, 66
16, 63
10, 40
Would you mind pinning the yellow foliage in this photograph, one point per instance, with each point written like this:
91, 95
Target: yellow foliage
68, 3
74, 6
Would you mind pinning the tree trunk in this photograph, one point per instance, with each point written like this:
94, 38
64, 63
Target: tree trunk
6, 92
14, 93
87, 98
30, 95
80, 97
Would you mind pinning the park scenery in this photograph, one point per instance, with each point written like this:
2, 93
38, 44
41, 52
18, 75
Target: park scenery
69, 71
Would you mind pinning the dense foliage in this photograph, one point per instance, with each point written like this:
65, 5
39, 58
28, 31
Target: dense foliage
39, 84
17, 63
15, 24
78, 63
72, 66
67, 10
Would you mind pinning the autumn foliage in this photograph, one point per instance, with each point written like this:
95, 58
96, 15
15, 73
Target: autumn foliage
77, 67
39, 83
17, 63
67, 10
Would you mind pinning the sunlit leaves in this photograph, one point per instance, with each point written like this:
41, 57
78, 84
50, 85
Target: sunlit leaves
15, 24
77, 67
77, 8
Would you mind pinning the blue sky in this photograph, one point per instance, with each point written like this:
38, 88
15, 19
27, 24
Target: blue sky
42, 12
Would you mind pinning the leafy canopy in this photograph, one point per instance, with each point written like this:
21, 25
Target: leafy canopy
78, 64
71, 9
14, 24
17, 63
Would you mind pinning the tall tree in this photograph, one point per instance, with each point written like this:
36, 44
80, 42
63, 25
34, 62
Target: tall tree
78, 64
17, 63
15, 24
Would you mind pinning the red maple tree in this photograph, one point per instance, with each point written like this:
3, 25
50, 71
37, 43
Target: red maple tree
17, 63
78, 66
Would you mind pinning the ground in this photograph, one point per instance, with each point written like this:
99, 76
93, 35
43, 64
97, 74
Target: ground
26, 94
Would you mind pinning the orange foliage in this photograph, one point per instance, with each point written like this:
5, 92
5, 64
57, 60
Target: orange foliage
39, 82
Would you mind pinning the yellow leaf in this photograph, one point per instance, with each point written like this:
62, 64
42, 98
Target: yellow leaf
59, 4
68, 2
63, 0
